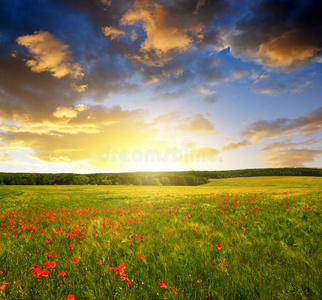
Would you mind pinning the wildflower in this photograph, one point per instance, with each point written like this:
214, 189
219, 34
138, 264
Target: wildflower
162, 285
62, 273
3, 285
75, 260
45, 273
48, 240
168, 233
142, 238
50, 264
99, 262
72, 246
50, 255
199, 280
243, 228
70, 297
141, 256
218, 246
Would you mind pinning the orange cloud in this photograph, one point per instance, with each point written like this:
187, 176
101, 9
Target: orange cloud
69, 112
50, 54
163, 36
112, 32
286, 50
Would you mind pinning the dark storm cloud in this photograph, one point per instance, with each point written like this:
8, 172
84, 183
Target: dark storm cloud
276, 33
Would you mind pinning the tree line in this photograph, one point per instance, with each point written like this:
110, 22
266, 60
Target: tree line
183, 178
259, 172
156, 179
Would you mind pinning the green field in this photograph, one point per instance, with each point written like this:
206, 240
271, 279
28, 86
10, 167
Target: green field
238, 238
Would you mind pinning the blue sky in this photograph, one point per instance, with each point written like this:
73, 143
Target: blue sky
108, 86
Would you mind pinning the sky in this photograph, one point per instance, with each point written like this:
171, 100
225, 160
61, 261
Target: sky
140, 85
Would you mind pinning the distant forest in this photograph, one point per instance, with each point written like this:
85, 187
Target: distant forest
146, 178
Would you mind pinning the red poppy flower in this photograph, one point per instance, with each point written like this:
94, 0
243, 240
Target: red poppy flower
75, 260
72, 246
99, 262
50, 255
48, 240
70, 297
199, 280
175, 292
62, 273
3, 285
218, 246
243, 228
162, 285
45, 273
142, 237
42, 231
168, 233
50, 264
141, 256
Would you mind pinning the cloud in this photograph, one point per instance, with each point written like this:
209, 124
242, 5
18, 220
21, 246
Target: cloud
210, 97
230, 145
283, 154
287, 144
198, 124
80, 107
69, 112
258, 131
112, 33
60, 137
278, 84
290, 158
50, 54
237, 73
281, 34
161, 31
304, 125
79, 88
162, 38
190, 67
194, 124
5, 158
287, 50
65, 112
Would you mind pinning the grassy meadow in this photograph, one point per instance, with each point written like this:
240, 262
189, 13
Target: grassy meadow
237, 238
